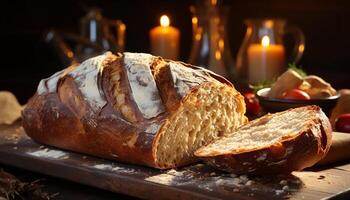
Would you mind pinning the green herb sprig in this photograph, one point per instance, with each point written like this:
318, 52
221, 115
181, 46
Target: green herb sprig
262, 84
297, 69
269, 83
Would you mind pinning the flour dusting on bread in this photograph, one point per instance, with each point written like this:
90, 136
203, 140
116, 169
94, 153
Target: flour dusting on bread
184, 77
143, 86
86, 76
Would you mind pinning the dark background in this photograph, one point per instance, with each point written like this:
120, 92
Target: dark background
25, 58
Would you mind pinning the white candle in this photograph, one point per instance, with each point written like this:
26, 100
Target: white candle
165, 39
265, 60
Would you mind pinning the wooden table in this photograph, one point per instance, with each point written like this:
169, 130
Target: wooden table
193, 182
65, 190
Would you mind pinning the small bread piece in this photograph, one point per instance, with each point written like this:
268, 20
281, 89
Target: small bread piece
276, 143
287, 81
10, 109
319, 88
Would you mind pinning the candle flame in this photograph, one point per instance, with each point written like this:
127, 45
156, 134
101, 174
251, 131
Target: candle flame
122, 27
194, 20
198, 36
269, 24
70, 54
217, 55
164, 21
265, 41
221, 44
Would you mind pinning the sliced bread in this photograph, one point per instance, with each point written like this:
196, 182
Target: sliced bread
275, 143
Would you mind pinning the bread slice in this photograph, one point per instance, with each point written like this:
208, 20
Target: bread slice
275, 143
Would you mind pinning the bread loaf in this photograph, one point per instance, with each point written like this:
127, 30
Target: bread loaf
276, 143
134, 108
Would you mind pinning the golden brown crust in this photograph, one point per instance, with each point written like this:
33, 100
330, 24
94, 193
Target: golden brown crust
291, 154
62, 115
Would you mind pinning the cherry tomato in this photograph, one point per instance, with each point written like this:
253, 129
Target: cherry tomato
252, 103
342, 123
296, 94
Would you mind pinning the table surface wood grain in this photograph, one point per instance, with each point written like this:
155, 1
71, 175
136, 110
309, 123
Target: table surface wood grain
192, 182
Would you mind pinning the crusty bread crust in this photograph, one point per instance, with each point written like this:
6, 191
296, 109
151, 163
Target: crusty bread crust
308, 147
62, 115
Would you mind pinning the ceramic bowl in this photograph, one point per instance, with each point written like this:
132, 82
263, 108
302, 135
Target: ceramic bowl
275, 105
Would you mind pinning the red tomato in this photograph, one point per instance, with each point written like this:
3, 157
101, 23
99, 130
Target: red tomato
296, 94
342, 123
252, 103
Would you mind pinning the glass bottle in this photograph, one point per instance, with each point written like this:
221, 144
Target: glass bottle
210, 47
102, 35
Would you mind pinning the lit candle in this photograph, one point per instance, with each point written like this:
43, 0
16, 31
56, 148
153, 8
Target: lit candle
266, 60
165, 40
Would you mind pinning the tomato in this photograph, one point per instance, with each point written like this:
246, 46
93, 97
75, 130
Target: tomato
342, 123
252, 103
296, 94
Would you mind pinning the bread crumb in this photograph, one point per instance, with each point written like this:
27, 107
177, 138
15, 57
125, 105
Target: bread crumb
219, 182
172, 172
236, 181
212, 174
251, 169
244, 178
249, 183
235, 190
200, 165
321, 177
283, 182
279, 192
233, 175
285, 188
41, 147
114, 155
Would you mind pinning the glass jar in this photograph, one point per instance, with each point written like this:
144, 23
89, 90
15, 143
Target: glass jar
262, 55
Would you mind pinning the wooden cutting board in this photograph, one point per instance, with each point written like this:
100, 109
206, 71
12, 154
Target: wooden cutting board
193, 182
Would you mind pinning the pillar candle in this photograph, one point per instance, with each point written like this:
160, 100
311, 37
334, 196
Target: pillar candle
165, 40
265, 61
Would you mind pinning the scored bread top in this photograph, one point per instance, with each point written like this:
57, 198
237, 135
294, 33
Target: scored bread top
144, 78
267, 131
86, 76
142, 84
